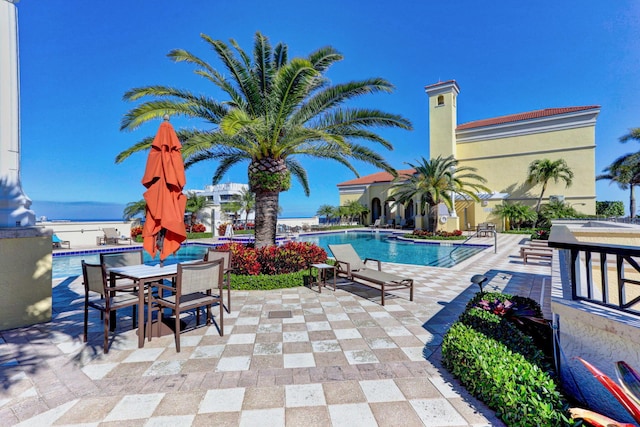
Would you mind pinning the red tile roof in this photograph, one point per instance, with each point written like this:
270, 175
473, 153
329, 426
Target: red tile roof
440, 84
547, 112
376, 177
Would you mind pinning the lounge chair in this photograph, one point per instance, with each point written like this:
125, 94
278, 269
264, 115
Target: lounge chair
349, 264
111, 237
59, 243
376, 224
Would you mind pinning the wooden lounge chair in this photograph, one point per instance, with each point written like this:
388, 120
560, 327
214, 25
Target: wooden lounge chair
111, 237
527, 252
59, 243
349, 263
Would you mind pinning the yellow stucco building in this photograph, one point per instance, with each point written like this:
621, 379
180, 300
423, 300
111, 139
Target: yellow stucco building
501, 149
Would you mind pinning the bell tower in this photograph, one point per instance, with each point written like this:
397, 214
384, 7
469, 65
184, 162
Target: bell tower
442, 118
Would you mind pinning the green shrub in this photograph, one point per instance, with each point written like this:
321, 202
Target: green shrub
265, 281
519, 391
520, 301
200, 235
503, 331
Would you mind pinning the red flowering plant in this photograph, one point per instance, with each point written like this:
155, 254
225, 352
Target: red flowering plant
198, 228
136, 231
271, 260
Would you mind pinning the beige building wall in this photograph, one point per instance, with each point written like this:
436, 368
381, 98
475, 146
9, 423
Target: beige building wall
501, 150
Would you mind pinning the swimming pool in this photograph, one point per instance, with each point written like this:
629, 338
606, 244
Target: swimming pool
65, 265
385, 247
376, 245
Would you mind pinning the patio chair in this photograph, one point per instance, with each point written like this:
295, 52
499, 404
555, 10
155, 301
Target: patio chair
376, 224
112, 298
194, 289
121, 259
349, 264
111, 237
59, 243
213, 255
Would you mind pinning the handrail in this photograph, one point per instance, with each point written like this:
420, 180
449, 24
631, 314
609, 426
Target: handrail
495, 237
592, 277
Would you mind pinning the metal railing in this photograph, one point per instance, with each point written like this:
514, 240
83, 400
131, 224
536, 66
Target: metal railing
603, 274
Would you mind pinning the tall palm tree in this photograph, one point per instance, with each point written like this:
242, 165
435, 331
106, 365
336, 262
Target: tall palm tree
248, 202
195, 204
277, 111
134, 208
326, 211
516, 213
634, 134
355, 210
625, 171
544, 170
434, 182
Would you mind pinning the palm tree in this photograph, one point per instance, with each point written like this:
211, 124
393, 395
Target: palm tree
634, 134
355, 210
195, 204
434, 182
326, 211
277, 111
625, 171
134, 208
232, 208
248, 203
545, 170
516, 213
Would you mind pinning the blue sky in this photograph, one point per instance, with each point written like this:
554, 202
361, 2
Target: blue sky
78, 58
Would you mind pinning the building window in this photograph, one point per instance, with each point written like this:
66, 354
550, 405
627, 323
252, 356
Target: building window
440, 100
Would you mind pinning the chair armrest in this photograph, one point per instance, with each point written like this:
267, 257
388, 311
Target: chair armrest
127, 287
376, 261
339, 264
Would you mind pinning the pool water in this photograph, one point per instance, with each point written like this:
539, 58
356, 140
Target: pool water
384, 247
71, 265
375, 245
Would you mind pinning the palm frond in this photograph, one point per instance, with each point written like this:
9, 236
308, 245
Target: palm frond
362, 118
145, 144
299, 173
336, 95
324, 57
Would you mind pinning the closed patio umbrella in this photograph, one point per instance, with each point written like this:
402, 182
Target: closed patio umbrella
164, 179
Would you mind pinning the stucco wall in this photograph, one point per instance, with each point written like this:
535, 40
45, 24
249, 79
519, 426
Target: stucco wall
83, 234
601, 338
25, 282
504, 164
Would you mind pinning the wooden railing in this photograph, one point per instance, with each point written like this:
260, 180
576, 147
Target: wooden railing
603, 274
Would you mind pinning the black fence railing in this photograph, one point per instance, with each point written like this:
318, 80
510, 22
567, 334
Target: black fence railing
603, 274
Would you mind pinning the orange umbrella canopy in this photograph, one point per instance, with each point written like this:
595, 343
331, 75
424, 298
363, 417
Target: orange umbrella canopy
164, 179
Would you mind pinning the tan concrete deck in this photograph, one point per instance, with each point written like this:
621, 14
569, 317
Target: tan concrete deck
342, 359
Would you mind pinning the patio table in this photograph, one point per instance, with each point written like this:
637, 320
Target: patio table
145, 275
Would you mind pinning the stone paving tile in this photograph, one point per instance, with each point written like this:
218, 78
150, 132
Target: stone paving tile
342, 359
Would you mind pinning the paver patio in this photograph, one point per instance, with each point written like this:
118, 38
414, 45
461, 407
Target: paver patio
341, 359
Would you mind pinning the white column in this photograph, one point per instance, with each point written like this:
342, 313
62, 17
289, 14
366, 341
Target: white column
14, 204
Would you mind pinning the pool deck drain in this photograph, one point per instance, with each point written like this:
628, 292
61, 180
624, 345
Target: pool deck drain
280, 314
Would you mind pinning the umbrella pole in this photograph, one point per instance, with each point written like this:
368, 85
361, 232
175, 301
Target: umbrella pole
160, 243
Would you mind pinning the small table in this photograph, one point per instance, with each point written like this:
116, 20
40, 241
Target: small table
322, 275
144, 275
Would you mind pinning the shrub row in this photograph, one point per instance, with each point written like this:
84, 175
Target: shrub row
502, 366
270, 260
265, 281
438, 235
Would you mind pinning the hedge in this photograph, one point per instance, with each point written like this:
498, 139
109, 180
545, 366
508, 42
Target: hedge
500, 365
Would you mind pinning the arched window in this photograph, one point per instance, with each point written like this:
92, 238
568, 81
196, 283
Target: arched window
440, 100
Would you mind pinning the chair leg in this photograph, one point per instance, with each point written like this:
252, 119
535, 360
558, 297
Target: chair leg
177, 331
106, 332
221, 316
86, 315
229, 297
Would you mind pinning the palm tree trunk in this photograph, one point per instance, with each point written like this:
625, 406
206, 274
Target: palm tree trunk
544, 187
266, 217
632, 201
434, 218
